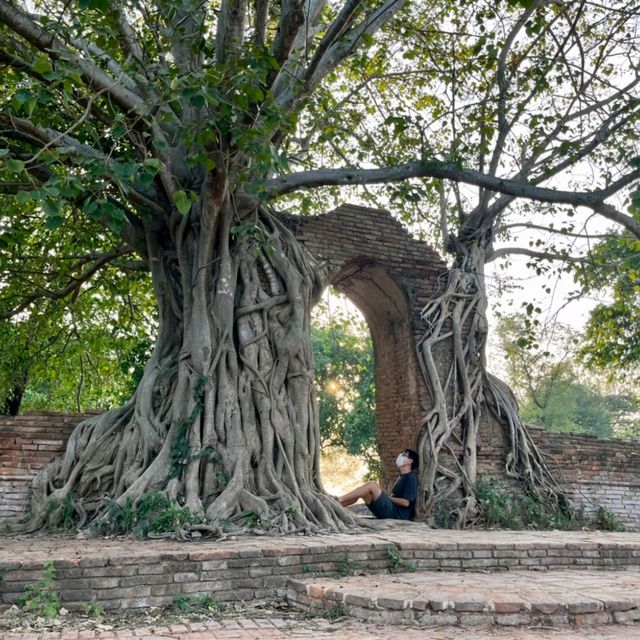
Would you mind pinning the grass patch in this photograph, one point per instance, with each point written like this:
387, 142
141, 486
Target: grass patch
191, 605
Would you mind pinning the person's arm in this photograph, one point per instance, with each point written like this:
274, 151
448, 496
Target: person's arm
401, 488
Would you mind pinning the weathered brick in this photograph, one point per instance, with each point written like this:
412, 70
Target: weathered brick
513, 619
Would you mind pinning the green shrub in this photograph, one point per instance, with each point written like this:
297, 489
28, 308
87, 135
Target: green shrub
154, 513
497, 507
445, 514
251, 519
608, 521
157, 514
39, 597
120, 518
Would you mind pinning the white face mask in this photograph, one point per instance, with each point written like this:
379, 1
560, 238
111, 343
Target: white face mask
401, 460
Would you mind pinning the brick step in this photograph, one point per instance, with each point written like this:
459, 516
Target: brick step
514, 598
122, 572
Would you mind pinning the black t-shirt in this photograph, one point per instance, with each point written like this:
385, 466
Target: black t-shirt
406, 486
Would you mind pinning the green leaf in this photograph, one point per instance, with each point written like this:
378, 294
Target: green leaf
152, 165
52, 208
255, 94
16, 166
90, 207
182, 202
3, 152
197, 100
42, 65
55, 222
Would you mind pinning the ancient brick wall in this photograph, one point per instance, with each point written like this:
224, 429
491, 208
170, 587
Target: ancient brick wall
593, 472
389, 276
27, 443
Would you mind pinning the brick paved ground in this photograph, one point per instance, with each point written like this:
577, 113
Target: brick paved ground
125, 573
274, 629
60, 547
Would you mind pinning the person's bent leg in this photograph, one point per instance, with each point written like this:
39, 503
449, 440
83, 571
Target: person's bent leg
368, 492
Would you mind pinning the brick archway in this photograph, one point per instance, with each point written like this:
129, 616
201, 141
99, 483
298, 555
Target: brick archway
389, 276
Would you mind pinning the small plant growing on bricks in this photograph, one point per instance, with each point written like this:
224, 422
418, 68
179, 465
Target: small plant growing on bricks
40, 598
332, 613
398, 562
608, 521
93, 610
346, 566
193, 604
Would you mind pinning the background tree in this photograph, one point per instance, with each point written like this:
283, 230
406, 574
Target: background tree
173, 125
612, 338
551, 390
345, 383
76, 327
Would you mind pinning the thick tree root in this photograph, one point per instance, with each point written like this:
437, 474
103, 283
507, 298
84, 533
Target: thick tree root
456, 331
224, 421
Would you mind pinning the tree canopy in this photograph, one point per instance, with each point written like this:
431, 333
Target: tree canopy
612, 339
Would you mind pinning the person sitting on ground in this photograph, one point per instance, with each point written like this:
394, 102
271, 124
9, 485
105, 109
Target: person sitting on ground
400, 505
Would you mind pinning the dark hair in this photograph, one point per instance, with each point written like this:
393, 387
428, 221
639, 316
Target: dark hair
414, 457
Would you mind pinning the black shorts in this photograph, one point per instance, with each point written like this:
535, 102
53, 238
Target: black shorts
383, 507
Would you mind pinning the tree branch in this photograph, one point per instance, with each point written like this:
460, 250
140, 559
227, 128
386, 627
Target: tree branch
552, 230
230, 29
337, 45
450, 171
541, 255
291, 19
20, 23
261, 11
346, 45
75, 282
24, 129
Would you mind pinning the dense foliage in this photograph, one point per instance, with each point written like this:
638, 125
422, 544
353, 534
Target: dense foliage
345, 382
612, 335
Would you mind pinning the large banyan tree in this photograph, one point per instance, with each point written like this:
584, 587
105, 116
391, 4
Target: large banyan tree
178, 127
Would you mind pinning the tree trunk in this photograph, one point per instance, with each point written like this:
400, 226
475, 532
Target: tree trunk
13, 398
224, 420
461, 390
